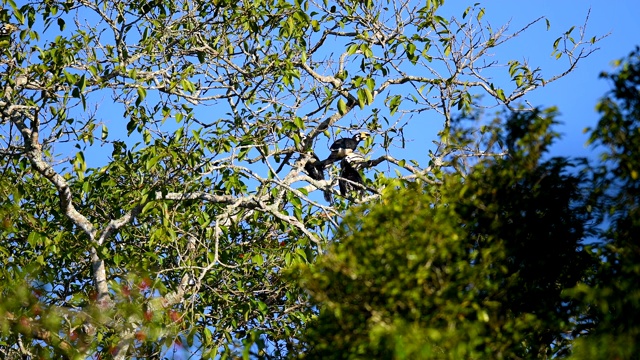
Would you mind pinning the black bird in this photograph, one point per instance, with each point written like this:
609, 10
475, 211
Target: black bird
349, 174
315, 170
343, 147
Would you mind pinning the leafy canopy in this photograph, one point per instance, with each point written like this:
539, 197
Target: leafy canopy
152, 153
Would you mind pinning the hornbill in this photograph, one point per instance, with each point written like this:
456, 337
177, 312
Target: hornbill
343, 147
315, 170
5, 34
349, 174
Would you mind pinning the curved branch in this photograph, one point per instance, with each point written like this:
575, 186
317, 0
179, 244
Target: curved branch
35, 156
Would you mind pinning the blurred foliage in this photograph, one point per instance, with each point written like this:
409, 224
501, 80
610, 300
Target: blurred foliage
474, 268
611, 297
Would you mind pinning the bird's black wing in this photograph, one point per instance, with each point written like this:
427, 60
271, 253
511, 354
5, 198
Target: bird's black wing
348, 176
344, 144
315, 169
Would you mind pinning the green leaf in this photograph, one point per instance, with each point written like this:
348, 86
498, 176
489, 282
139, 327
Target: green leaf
188, 86
142, 93
207, 336
82, 83
368, 96
146, 136
352, 49
411, 48
362, 98
257, 259
34, 239
79, 162
287, 259
342, 107
513, 67
447, 49
371, 84
315, 25
570, 30
151, 163
393, 103
105, 133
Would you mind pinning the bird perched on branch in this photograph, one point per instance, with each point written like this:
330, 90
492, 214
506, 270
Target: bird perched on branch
343, 147
315, 170
350, 177
5, 34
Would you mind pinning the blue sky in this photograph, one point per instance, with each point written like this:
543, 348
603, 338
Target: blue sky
575, 95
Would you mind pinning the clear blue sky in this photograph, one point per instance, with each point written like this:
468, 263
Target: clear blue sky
575, 95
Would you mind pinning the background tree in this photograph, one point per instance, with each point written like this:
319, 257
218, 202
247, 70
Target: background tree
611, 297
210, 111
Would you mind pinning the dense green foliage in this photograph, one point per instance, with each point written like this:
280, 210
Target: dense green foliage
473, 268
